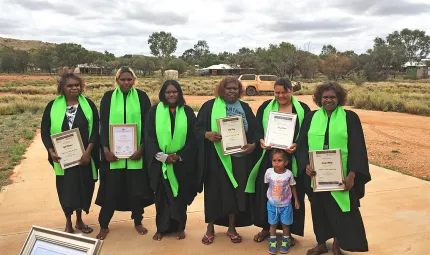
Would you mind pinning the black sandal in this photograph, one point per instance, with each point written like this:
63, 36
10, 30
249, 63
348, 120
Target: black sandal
86, 229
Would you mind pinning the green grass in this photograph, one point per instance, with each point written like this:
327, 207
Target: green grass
15, 138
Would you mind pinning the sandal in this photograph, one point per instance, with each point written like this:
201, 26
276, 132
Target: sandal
235, 238
260, 237
208, 239
86, 229
317, 250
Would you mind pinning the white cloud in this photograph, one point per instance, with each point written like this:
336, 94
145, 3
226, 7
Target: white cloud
124, 26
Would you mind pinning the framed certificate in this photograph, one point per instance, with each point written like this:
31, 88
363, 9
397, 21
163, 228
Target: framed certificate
123, 140
43, 241
69, 147
328, 165
233, 134
280, 130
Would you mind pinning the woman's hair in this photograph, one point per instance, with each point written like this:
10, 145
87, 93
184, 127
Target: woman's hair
125, 69
339, 90
162, 94
283, 153
219, 89
63, 80
285, 82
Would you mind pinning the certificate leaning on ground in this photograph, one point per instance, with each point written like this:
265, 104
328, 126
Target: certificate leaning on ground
280, 130
69, 147
123, 140
233, 134
328, 165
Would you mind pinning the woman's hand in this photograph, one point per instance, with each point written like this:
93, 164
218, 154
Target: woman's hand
310, 171
348, 182
248, 148
172, 158
292, 148
54, 157
85, 159
213, 136
137, 155
110, 157
263, 145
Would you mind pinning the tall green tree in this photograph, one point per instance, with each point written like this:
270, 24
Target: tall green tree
45, 58
162, 45
415, 42
70, 54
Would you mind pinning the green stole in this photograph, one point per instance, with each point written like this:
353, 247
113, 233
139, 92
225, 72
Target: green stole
58, 110
274, 106
133, 116
338, 139
168, 144
219, 110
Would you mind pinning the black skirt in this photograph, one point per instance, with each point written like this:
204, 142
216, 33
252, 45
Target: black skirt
119, 186
75, 189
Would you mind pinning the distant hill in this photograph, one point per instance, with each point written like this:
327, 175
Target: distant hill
23, 44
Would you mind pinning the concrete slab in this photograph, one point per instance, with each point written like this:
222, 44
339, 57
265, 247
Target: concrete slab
396, 213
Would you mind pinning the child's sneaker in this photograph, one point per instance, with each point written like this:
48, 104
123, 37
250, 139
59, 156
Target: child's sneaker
272, 245
285, 246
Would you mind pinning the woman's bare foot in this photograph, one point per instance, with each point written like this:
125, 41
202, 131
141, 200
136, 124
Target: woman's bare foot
69, 228
157, 236
103, 233
181, 235
141, 230
317, 250
335, 248
261, 236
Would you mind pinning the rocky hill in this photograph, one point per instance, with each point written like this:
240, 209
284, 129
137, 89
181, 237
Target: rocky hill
23, 44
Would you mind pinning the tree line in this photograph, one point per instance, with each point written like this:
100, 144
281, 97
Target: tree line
386, 57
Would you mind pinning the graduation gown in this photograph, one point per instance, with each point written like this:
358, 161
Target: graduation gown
172, 211
75, 188
328, 219
259, 198
219, 194
119, 186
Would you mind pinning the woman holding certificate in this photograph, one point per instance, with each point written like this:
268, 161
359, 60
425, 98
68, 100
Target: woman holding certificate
283, 102
72, 111
224, 161
325, 132
124, 181
171, 158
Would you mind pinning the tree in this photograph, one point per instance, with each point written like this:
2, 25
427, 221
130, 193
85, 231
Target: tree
189, 56
144, 64
70, 54
335, 66
415, 42
162, 45
280, 58
178, 64
45, 58
7, 57
327, 50
201, 48
307, 64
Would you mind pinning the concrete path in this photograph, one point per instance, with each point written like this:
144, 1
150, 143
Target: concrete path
396, 212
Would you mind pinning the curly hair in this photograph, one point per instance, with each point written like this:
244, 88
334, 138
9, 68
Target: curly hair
341, 93
283, 153
63, 80
219, 89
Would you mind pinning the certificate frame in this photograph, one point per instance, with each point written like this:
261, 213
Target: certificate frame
66, 134
240, 131
42, 240
271, 136
332, 159
112, 128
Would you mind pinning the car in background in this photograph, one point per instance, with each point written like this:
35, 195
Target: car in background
254, 84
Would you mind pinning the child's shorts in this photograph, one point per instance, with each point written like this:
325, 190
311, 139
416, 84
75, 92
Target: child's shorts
285, 214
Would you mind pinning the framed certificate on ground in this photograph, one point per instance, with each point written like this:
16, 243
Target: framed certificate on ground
328, 165
233, 134
123, 140
69, 147
280, 130
44, 241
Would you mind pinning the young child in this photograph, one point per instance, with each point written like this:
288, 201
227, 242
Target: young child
281, 187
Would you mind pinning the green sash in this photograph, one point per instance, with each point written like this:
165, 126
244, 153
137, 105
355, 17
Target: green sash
338, 139
168, 144
58, 111
219, 110
274, 106
133, 116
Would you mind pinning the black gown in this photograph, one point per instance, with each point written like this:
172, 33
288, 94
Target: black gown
172, 211
75, 188
122, 189
259, 198
221, 198
328, 219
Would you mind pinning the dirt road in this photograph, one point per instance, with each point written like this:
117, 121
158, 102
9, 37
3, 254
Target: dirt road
397, 141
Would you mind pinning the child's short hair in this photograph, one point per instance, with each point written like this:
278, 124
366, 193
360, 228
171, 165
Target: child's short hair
284, 154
